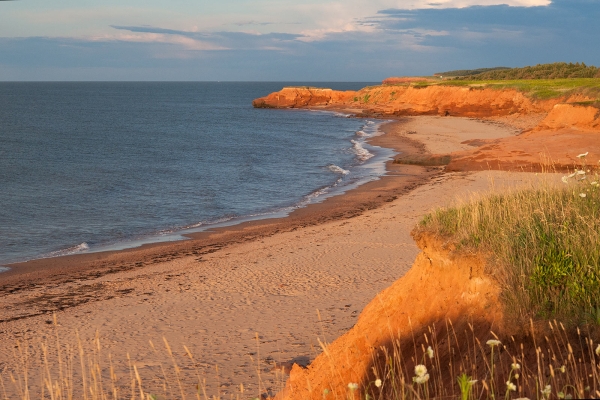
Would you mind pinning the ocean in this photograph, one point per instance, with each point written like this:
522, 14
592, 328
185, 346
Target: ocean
108, 165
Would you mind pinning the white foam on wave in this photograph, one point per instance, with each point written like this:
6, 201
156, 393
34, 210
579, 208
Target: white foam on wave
204, 223
361, 133
361, 153
70, 250
4, 269
337, 170
341, 115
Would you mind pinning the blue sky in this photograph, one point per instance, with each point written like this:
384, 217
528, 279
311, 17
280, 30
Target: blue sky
351, 40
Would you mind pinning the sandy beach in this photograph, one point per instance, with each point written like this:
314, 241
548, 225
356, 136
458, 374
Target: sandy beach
249, 299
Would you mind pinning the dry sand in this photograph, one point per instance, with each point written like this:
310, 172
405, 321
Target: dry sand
264, 280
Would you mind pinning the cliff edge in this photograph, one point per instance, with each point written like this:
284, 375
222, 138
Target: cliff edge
570, 124
442, 285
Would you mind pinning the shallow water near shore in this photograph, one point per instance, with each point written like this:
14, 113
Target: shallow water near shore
100, 166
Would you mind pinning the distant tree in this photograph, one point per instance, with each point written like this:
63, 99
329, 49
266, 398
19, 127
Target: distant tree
559, 70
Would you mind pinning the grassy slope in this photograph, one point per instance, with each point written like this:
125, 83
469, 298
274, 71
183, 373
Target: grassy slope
544, 246
534, 88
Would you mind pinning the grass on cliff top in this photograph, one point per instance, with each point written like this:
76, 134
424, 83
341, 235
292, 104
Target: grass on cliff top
543, 245
535, 88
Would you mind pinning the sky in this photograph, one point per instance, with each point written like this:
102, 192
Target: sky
285, 40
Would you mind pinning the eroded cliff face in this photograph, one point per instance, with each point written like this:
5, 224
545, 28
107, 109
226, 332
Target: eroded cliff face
302, 96
410, 100
570, 126
578, 116
568, 130
441, 285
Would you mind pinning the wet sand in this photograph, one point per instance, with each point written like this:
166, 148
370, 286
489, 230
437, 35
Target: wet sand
256, 287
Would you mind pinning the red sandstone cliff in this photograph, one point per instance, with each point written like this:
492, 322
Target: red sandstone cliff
410, 100
441, 285
567, 131
302, 96
569, 128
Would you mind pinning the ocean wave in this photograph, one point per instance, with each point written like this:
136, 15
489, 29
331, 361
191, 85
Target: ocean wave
341, 115
4, 269
215, 221
361, 133
70, 250
337, 170
361, 153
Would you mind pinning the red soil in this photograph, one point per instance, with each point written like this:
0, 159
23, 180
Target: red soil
567, 131
463, 294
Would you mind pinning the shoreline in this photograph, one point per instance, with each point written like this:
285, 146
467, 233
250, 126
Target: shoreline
184, 233
397, 180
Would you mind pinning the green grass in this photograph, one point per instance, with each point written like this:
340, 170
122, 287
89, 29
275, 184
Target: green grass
543, 245
541, 89
538, 88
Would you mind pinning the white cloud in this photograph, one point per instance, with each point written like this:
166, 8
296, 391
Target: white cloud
183, 42
325, 18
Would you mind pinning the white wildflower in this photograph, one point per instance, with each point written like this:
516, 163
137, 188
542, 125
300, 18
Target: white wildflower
595, 183
378, 382
573, 174
429, 352
598, 350
581, 172
517, 376
582, 195
353, 386
565, 179
511, 386
583, 154
563, 369
420, 370
546, 391
421, 379
493, 342
515, 366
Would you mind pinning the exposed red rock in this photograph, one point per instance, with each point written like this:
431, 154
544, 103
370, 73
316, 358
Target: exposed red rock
463, 294
410, 100
567, 131
302, 96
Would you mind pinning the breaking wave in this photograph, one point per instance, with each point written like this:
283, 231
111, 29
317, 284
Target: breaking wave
337, 170
361, 153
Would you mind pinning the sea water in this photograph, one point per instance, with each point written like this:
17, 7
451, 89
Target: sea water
95, 166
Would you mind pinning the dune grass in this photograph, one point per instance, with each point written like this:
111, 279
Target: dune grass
465, 363
543, 245
71, 367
